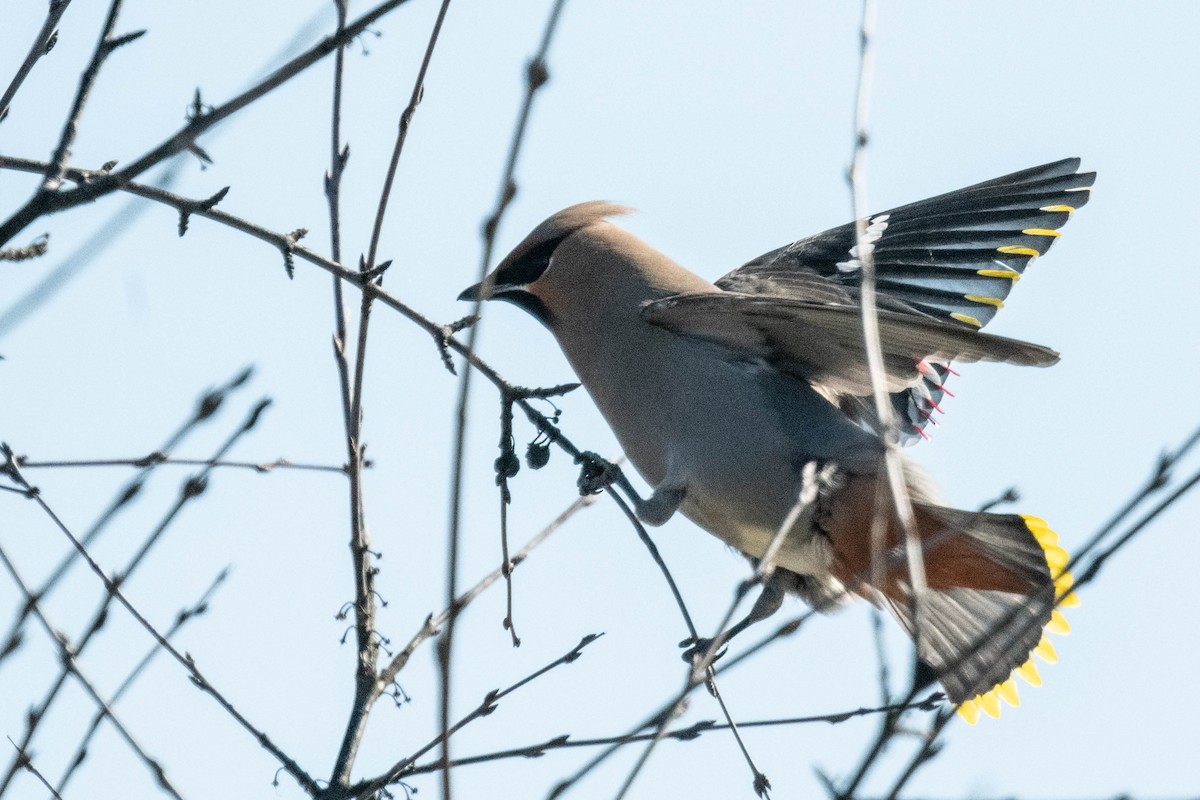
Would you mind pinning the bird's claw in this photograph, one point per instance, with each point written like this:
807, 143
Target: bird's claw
697, 647
596, 473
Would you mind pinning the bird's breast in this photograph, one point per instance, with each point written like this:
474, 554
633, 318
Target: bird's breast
735, 434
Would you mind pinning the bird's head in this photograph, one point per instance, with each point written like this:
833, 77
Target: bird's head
519, 278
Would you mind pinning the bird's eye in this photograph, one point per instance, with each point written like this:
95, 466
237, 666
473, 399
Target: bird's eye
531, 264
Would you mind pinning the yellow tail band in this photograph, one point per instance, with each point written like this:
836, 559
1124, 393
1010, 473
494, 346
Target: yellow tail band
1056, 560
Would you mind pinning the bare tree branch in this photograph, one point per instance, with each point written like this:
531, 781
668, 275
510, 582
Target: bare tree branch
43, 43
158, 458
26, 763
485, 707
434, 623
206, 408
67, 657
690, 733
111, 586
185, 138
536, 76
185, 616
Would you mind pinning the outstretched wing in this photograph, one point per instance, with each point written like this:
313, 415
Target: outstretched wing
952, 258
823, 343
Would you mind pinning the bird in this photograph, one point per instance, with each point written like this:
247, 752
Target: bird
730, 397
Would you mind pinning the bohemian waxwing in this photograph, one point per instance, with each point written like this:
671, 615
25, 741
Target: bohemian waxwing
721, 393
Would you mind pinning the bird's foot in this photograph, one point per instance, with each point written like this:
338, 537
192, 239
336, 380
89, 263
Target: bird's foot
697, 647
596, 473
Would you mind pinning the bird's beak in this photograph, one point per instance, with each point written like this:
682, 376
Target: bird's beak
471, 292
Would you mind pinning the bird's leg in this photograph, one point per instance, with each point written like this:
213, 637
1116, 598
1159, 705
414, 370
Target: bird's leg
769, 600
597, 474
661, 505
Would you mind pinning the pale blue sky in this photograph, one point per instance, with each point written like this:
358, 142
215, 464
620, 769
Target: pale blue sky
730, 131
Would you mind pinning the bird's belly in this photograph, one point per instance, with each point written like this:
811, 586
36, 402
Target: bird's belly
748, 517
720, 432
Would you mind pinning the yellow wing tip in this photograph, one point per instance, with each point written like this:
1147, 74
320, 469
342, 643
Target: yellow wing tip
983, 300
1018, 250
967, 319
1011, 274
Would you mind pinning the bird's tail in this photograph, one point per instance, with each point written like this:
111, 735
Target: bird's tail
994, 582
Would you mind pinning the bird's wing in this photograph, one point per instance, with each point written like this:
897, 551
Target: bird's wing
952, 258
823, 344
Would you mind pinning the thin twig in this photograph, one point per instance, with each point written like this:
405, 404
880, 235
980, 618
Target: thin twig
885, 691
360, 552
338, 157
443, 335
435, 622
893, 460
111, 587
406, 118
206, 408
67, 657
26, 763
506, 466
185, 138
658, 560
185, 616
536, 76
486, 706
883, 408
104, 47
761, 785
158, 458
43, 43
701, 671
687, 734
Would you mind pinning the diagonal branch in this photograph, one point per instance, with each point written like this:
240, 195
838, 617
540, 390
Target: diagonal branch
43, 43
443, 335
47, 195
485, 707
181, 619
209, 403
185, 138
67, 657
435, 622
13, 470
